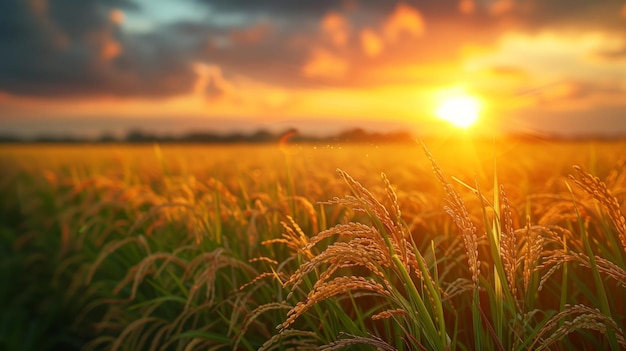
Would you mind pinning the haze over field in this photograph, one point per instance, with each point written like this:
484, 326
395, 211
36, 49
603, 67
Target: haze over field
94, 66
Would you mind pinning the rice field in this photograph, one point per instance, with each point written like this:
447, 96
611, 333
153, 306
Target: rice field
446, 245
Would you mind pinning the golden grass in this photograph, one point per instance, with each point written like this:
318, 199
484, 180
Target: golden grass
275, 252
457, 210
598, 189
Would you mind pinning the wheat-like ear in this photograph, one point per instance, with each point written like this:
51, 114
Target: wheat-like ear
137, 273
339, 285
556, 258
294, 238
300, 339
399, 233
204, 269
584, 317
533, 249
458, 211
351, 340
617, 174
393, 197
365, 198
508, 243
388, 314
254, 314
392, 230
308, 208
280, 276
132, 328
598, 189
112, 247
351, 230
363, 252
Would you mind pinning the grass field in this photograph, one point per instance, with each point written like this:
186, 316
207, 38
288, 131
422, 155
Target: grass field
466, 245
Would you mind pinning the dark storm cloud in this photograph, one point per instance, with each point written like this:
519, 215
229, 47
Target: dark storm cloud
273, 7
72, 48
532, 13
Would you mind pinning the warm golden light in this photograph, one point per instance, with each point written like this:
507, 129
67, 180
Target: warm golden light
462, 111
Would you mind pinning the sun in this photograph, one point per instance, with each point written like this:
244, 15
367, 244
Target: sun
461, 110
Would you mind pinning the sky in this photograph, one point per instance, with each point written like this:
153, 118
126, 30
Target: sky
96, 66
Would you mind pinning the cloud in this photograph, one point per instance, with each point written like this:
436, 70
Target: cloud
404, 20
67, 48
551, 54
607, 121
467, 7
116, 16
325, 64
558, 71
371, 42
251, 35
273, 7
337, 28
500, 7
210, 82
215, 90
91, 47
108, 47
572, 15
612, 54
576, 95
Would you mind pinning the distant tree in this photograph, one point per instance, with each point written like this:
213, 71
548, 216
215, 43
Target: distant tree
107, 137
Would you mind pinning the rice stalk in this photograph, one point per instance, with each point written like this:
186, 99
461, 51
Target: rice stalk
460, 216
137, 273
559, 257
583, 317
112, 247
599, 284
351, 340
338, 285
384, 250
598, 190
508, 244
305, 340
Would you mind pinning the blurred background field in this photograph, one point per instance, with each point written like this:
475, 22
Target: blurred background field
148, 247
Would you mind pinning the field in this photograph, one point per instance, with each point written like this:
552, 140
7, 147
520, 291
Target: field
456, 244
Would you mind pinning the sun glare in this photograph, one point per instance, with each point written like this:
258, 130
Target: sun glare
462, 111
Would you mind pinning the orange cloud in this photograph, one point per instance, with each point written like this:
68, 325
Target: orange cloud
210, 83
337, 28
325, 64
404, 19
507, 73
251, 35
624, 11
370, 42
116, 16
560, 92
501, 7
467, 6
110, 50
105, 45
215, 94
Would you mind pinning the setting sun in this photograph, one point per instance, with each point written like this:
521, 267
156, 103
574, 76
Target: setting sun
462, 111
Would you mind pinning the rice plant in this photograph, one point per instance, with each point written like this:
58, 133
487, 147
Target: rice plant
159, 249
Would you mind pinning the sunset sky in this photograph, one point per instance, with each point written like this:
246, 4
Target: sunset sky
92, 66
